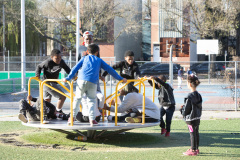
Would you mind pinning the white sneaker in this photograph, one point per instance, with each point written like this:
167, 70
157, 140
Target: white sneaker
22, 118
45, 120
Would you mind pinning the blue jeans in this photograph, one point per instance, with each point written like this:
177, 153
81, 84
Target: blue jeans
90, 90
169, 114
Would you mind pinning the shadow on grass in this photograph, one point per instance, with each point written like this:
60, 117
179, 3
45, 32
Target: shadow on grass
177, 139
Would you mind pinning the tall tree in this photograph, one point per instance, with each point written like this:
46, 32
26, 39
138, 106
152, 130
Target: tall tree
96, 15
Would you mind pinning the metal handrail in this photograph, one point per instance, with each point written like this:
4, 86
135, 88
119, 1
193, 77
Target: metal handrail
41, 95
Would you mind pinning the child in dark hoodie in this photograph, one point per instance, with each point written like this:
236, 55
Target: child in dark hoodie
192, 111
167, 102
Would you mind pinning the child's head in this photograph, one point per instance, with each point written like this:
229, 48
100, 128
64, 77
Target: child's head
163, 78
93, 49
129, 57
88, 38
193, 81
128, 89
56, 56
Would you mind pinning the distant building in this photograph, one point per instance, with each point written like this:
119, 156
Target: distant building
167, 30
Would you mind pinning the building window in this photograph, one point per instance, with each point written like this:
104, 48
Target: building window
170, 24
170, 4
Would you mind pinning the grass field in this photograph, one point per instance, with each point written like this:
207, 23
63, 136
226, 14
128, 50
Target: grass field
219, 139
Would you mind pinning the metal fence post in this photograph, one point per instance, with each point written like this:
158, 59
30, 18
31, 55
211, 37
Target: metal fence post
71, 59
8, 66
110, 80
235, 85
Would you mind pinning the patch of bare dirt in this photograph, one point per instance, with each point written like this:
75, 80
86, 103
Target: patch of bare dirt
13, 139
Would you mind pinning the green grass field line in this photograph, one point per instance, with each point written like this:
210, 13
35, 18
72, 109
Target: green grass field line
219, 139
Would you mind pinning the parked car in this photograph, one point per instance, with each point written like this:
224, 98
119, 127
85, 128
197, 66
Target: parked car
147, 65
204, 68
159, 69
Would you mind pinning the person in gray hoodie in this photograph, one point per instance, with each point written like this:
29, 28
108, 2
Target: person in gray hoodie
192, 111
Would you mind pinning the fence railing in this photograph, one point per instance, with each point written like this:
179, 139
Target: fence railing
219, 77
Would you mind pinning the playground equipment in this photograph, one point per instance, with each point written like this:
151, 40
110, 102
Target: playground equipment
61, 126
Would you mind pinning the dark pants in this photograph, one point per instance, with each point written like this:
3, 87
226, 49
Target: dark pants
169, 114
28, 111
194, 135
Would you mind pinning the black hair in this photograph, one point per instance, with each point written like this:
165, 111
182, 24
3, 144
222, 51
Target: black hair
129, 53
93, 48
163, 78
130, 88
193, 80
55, 52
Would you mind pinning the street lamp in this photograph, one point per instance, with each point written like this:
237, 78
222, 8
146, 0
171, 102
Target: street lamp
23, 46
171, 65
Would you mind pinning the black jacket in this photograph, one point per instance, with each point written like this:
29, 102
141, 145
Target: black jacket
126, 71
192, 108
51, 69
165, 93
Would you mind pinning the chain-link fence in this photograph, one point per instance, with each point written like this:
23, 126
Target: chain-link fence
219, 86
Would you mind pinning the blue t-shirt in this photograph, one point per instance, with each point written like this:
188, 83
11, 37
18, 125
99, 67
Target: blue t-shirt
90, 66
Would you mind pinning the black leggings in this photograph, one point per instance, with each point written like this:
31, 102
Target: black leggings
169, 114
194, 136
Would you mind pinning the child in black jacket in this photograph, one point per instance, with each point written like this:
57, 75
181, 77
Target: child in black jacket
51, 68
32, 111
192, 111
167, 102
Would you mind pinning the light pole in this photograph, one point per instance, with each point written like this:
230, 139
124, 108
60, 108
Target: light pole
171, 65
77, 31
23, 46
3, 19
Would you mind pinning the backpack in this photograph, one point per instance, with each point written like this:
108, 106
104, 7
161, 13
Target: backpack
166, 97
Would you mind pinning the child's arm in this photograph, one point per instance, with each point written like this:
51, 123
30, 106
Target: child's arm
115, 66
39, 69
157, 85
30, 98
187, 108
74, 70
161, 82
65, 67
110, 70
137, 71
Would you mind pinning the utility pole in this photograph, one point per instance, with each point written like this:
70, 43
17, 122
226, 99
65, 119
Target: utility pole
3, 19
23, 46
77, 30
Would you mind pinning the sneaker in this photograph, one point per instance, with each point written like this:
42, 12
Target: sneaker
197, 151
133, 120
190, 152
45, 120
22, 118
69, 121
167, 134
93, 122
60, 112
163, 131
109, 118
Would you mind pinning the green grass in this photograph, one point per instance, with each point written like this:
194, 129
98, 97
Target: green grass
219, 139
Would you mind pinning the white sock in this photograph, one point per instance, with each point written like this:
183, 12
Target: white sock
58, 109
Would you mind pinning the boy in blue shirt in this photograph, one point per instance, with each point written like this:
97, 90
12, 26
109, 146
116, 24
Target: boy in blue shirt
88, 77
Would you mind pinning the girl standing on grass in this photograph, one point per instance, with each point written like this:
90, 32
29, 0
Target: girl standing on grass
192, 111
